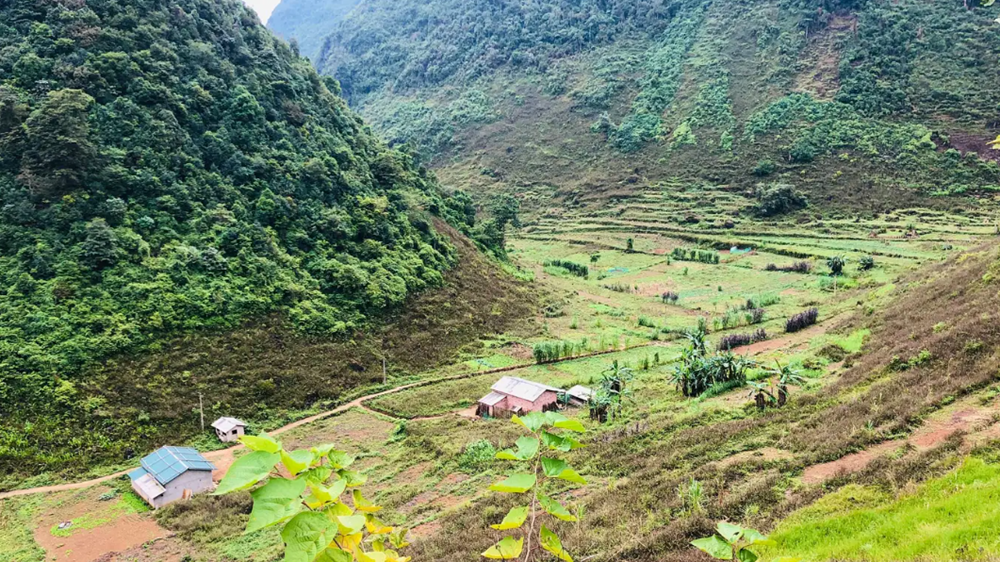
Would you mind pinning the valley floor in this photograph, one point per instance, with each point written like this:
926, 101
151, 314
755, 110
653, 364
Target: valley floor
845, 453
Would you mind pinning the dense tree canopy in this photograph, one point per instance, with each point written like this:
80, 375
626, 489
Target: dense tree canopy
168, 166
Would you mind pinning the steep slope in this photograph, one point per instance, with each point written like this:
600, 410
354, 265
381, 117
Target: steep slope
167, 167
866, 104
309, 21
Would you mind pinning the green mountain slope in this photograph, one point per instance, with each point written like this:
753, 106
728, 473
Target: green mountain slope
863, 103
167, 167
309, 21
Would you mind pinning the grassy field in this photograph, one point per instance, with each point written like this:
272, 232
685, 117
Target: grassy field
425, 461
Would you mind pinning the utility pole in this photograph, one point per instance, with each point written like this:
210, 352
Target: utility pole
201, 411
385, 375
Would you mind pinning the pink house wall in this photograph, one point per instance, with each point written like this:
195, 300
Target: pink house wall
546, 399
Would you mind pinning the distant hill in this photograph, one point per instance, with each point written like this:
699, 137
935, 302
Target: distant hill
861, 103
309, 21
169, 168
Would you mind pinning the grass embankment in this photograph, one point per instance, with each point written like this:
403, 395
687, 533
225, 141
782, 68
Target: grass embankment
954, 517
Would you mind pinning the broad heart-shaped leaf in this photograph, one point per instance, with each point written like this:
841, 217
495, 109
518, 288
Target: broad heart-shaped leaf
755, 537
515, 484
247, 471
514, 519
715, 547
322, 495
306, 535
532, 421
351, 543
507, 549
557, 468
551, 543
571, 425
746, 555
334, 555
354, 479
554, 508
370, 556
262, 442
527, 448
321, 450
275, 502
297, 461
361, 504
375, 526
318, 475
559, 443
336, 510
350, 524
730, 532
340, 459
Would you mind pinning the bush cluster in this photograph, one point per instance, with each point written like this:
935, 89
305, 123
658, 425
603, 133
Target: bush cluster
733, 341
574, 268
802, 320
696, 255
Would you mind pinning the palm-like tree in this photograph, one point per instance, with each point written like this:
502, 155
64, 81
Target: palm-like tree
786, 376
761, 394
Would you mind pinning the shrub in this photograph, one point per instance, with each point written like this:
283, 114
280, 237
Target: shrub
778, 199
802, 320
702, 256
574, 268
733, 341
765, 168
797, 267
866, 263
669, 297
646, 322
477, 456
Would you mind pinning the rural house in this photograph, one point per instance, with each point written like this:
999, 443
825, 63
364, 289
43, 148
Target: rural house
170, 474
229, 429
511, 395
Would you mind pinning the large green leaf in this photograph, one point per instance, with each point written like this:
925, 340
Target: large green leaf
557, 468
532, 421
559, 442
715, 547
322, 495
371, 556
729, 531
516, 484
550, 542
755, 537
747, 555
297, 461
274, 502
527, 448
340, 459
262, 442
334, 555
554, 508
507, 549
306, 535
350, 524
571, 425
354, 479
247, 471
514, 519
362, 504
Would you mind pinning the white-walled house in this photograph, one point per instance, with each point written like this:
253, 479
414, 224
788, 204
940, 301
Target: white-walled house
170, 474
229, 429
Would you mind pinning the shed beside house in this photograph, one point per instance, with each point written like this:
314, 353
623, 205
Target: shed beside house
229, 429
170, 474
511, 395
579, 396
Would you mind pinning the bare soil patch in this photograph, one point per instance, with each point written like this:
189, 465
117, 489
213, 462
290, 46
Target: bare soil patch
122, 532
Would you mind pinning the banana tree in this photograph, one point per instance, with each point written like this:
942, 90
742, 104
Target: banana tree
786, 376
761, 394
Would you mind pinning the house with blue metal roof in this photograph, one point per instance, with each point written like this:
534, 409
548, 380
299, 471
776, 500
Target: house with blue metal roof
170, 474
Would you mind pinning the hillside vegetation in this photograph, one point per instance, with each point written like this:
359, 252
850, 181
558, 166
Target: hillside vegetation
863, 103
172, 167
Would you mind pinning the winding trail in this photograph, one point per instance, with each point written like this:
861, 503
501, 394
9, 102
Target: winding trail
226, 455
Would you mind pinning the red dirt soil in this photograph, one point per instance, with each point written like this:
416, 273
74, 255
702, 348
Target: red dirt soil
937, 430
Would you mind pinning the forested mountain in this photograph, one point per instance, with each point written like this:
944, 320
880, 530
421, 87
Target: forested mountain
863, 102
309, 21
167, 167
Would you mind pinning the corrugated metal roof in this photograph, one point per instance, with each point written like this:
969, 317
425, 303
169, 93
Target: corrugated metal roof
581, 392
520, 388
226, 425
149, 487
137, 473
492, 399
167, 463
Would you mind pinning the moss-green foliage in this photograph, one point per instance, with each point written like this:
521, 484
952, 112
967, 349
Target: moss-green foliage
17, 518
171, 166
860, 522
